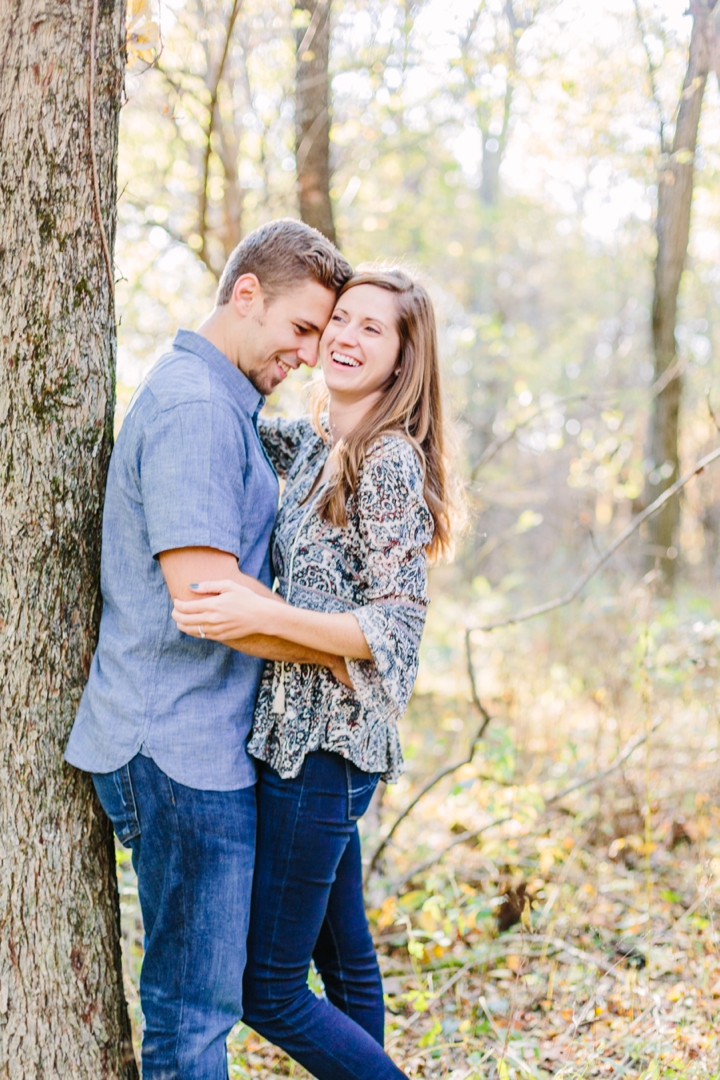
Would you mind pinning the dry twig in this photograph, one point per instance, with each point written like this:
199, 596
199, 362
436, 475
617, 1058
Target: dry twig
442, 773
562, 601
472, 834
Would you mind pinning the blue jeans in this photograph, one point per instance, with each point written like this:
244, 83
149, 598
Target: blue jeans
307, 903
193, 852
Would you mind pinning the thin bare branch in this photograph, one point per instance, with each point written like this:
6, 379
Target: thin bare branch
311, 31
713, 417
562, 601
502, 440
212, 107
652, 74
472, 834
441, 773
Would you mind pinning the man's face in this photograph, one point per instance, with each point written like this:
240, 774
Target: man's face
285, 333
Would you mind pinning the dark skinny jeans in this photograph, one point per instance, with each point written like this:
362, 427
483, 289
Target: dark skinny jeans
307, 903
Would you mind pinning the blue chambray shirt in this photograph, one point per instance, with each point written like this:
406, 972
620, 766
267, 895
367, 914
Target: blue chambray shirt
188, 470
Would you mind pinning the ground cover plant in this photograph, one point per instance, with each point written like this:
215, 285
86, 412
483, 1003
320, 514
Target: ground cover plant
579, 938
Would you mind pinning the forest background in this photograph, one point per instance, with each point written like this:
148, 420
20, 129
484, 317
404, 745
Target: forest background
512, 153
543, 882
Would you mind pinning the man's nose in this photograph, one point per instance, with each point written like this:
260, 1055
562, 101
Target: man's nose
308, 354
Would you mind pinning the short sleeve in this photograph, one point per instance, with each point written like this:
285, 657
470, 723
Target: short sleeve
192, 464
282, 440
396, 527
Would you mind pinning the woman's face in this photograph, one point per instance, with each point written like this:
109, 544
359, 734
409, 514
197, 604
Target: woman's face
360, 346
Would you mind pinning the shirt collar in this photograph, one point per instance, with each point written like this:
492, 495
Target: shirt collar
242, 389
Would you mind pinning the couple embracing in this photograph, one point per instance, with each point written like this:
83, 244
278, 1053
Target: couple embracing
235, 735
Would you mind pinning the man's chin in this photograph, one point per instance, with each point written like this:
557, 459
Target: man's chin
264, 384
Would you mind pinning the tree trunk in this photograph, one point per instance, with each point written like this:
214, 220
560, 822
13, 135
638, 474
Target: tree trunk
312, 117
675, 193
62, 1008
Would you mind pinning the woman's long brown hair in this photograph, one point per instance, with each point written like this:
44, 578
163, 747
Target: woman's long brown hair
411, 407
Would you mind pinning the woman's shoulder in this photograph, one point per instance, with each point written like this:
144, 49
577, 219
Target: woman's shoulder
392, 454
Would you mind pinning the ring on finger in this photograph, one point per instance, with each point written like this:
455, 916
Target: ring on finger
201, 632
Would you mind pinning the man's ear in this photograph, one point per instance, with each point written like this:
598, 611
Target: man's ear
247, 294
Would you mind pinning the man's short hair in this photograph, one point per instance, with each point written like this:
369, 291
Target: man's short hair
284, 254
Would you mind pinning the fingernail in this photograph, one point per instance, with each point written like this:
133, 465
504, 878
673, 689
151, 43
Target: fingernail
193, 586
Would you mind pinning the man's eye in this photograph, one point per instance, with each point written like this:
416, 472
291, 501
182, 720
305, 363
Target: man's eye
301, 329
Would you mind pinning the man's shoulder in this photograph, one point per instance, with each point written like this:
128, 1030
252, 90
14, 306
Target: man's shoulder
178, 378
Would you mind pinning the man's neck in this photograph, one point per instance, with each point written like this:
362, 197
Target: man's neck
215, 330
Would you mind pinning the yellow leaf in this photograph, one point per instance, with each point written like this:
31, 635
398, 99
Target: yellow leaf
137, 8
148, 34
427, 922
388, 911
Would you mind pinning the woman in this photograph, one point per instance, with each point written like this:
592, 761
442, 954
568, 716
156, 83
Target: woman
365, 503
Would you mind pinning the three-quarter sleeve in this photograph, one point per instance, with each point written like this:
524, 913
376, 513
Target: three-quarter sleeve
282, 440
395, 527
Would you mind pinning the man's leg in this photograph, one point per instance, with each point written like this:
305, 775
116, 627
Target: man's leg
194, 863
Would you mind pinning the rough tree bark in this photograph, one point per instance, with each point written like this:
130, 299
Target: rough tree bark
62, 1008
312, 117
675, 193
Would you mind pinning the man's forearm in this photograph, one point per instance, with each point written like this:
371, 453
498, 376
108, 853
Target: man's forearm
275, 648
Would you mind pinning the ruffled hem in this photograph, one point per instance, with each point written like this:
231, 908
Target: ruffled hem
263, 747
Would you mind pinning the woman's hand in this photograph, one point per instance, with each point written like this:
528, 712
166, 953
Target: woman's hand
224, 611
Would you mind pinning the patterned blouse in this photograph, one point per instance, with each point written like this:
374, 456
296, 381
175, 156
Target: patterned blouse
374, 567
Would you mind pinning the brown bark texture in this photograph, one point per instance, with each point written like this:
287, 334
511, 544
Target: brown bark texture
312, 117
675, 193
62, 1009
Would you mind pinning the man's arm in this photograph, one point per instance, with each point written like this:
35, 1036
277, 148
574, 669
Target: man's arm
182, 567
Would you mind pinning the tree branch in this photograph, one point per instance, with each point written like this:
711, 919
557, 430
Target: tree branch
562, 601
441, 773
652, 72
497, 444
472, 834
214, 91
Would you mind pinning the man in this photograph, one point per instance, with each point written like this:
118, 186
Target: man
163, 722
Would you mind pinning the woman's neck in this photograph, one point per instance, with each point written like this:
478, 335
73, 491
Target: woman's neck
346, 415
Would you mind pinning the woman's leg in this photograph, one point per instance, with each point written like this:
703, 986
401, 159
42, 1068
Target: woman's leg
344, 953
304, 826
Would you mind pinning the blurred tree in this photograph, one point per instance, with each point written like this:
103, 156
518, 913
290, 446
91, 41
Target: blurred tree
486, 70
675, 196
214, 110
61, 998
312, 114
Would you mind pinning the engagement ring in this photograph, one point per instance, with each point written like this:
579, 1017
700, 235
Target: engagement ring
201, 632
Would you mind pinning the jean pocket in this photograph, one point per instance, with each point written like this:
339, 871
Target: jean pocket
117, 798
361, 786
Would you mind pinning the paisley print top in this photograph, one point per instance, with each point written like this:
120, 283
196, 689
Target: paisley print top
374, 567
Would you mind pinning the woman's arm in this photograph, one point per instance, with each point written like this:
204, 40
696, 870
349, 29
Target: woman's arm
282, 440
230, 612
181, 565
